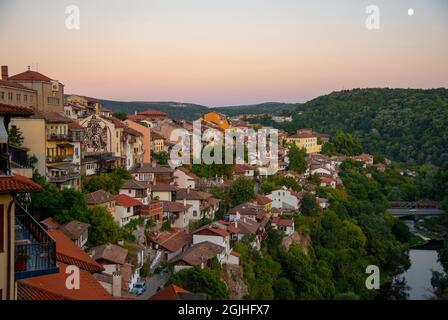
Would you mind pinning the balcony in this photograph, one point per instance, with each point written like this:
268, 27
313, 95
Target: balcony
63, 178
35, 250
57, 137
19, 156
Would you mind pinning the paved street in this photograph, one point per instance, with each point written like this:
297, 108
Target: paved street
152, 284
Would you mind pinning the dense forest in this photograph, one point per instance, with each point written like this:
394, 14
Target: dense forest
406, 125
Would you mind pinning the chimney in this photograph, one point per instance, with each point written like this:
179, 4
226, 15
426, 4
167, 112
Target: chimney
188, 189
116, 284
185, 202
4, 72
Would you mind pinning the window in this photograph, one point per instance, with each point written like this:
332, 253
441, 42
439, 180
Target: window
129, 209
53, 100
2, 95
18, 97
195, 213
9, 95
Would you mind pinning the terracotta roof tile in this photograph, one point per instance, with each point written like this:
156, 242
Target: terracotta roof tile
126, 201
110, 252
173, 292
18, 184
152, 112
69, 253
15, 110
74, 229
199, 253
30, 76
172, 240
53, 287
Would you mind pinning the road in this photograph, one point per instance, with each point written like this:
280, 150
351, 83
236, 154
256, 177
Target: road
416, 212
152, 284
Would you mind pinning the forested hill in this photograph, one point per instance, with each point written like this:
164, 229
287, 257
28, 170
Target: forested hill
190, 111
406, 125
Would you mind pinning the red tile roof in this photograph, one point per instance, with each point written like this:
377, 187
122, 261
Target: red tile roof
15, 110
212, 228
18, 184
172, 292
283, 222
53, 287
68, 252
172, 240
126, 201
30, 75
262, 199
327, 179
152, 112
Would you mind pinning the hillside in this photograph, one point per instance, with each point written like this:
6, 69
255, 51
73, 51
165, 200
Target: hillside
406, 125
190, 111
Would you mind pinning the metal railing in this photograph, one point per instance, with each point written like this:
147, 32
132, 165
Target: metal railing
35, 250
63, 178
19, 156
57, 136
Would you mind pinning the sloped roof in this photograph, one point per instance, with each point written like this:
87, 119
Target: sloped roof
152, 112
110, 252
192, 194
134, 184
98, 197
171, 206
199, 253
53, 287
18, 184
126, 201
69, 253
150, 168
212, 228
74, 229
15, 110
30, 76
172, 240
173, 292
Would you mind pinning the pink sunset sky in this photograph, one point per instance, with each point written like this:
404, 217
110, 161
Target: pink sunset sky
226, 52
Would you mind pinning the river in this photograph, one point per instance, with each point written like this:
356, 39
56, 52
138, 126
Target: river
418, 276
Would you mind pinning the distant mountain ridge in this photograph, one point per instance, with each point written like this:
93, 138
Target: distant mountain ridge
191, 111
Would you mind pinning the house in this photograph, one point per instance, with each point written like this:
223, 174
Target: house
285, 225
50, 92
126, 208
322, 202
150, 172
247, 210
203, 204
170, 243
284, 199
217, 119
153, 117
328, 182
200, 254
242, 226
264, 201
147, 138
163, 191
177, 213
157, 142
77, 231
306, 139
185, 179
103, 199
365, 158
53, 286
173, 292
116, 259
136, 189
244, 170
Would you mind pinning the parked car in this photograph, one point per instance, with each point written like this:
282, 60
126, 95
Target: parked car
139, 288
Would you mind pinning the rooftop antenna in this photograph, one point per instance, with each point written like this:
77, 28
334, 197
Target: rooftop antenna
29, 68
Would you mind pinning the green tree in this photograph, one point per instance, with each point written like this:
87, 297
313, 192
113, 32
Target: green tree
346, 144
103, 228
121, 115
203, 281
283, 289
297, 160
309, 206
241, 191
15, 136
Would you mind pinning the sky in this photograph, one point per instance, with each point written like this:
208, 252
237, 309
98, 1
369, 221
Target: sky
226, 52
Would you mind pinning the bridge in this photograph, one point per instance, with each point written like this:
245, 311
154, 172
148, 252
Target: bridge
417, 212
422, 204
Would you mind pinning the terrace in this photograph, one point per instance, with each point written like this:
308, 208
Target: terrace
35, 250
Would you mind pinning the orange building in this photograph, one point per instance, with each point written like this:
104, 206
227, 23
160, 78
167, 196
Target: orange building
146, 138
218, 119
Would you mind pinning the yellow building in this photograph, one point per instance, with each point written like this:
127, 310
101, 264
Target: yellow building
218, 119
306, 139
